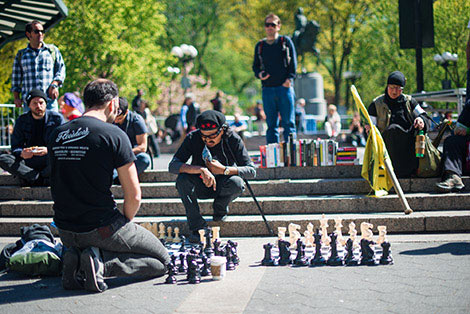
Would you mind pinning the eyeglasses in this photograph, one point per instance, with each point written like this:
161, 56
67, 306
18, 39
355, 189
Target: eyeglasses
212, 136
270, 24
37, 31
394, 87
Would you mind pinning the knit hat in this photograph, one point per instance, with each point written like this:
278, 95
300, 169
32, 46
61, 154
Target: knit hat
36, 93
396, 78
210, 120
73, 101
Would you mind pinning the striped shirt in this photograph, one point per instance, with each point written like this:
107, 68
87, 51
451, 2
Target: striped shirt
36, 69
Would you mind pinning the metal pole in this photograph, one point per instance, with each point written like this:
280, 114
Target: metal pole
419, 51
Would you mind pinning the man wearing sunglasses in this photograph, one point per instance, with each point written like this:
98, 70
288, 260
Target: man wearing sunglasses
219, 164
38, 66
275, 63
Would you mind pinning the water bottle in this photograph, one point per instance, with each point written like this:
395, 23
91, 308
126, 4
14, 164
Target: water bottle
419, 144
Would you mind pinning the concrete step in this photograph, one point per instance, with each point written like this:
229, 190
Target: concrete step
279, 187
253, 225
313, 204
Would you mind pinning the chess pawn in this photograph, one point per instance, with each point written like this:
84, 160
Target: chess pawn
177, 238
339, 232
382, 234
169, 237
366, 232
268, 260
308, 238
182, 267
386, 258
161, 231
202, 236
215, 234
171, 279
334, 259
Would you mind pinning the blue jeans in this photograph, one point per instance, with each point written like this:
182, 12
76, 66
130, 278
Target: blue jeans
277, 100
141, 163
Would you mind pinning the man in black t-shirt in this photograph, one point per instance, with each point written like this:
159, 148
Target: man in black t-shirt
28, 159
83, 154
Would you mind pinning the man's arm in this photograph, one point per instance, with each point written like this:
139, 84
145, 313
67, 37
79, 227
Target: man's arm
141, 147
130, 185
293, 61
256, 63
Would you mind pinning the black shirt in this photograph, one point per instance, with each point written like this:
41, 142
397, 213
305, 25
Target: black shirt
83, 154
38, 132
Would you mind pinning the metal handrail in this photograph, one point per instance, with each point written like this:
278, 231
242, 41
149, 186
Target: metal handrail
8, 115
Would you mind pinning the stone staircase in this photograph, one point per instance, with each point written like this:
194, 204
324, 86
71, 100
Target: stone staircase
298, 195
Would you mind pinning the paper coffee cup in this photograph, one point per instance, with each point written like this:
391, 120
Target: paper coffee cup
218, 267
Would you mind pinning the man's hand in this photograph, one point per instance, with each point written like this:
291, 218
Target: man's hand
53, 92
215, 167
419, 123
40, 151
263, 75
208, 178
287, 83
18, 103
27, 153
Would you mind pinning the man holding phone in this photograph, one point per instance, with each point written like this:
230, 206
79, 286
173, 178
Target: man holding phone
275, 63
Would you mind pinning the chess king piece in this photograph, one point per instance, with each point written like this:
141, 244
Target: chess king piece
281, 233
268, 260
234, 249
161, 231
324, 232
284, 252
334, 259
366, 231
177, 238
317, 259
367, 253
208, 247
349, 258
215, 233
300, 259
338, 225
169, 237
294, 234
182, 267
386, 258
382, 234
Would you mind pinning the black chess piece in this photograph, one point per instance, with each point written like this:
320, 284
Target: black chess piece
317, 259
193, 275
284, 253
171, 279
217, 251
234, 248
182, 247
334, 259
386, 258
349, 258
300, 259
208, 249
268, 260
205, 271
367, 253
182, 268
228, 253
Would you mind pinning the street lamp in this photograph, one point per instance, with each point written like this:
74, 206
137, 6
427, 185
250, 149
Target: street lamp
186, 54
350, 77
173, 72
445, 59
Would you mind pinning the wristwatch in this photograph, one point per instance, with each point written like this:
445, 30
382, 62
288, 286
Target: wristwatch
226, 171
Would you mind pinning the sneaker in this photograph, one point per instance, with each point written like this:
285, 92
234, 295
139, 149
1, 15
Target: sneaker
70, 266
452, 183
219, 217
93, 267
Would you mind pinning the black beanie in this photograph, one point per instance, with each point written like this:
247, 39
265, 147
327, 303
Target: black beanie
210, 120
396, 78
36, 93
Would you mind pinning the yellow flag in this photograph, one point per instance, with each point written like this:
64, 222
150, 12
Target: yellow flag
373, 167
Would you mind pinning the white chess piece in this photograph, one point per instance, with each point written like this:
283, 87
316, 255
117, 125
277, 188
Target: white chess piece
161, 231
215, 234
154, 229
339, 232
353, 233
382, 234
310, 228
145, 225
309, 241
169, 237
294, 234
281, 233
177, 238
202, 237
366, 232
325, 239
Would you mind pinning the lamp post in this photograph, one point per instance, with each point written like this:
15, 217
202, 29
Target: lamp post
186, 54
350, 77
445, 59
173, 72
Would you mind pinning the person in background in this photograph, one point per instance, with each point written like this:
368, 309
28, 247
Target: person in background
152, 127
300, 116
71, 106
332, 122
217, 102
189, 112
260, 117
357, 131
137, 103
239, 126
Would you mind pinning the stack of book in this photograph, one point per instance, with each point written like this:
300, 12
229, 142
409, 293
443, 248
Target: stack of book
346, 156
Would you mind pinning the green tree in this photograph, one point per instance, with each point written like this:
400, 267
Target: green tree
7, 56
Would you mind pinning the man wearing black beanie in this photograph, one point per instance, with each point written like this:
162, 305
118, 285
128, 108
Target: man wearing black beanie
398, 118
219, 164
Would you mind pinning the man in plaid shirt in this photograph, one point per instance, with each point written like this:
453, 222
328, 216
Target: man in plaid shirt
38, 66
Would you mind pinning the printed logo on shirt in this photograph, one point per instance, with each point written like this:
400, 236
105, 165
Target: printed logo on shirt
68, 136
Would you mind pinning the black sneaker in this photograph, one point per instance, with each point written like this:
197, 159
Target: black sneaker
70, 266
219, 217
93, 267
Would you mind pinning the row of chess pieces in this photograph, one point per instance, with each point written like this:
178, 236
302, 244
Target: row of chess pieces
168, 234
318, 238
196, 262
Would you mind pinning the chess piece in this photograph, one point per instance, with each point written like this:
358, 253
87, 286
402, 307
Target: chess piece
324, 230
228, 253
284, 252
177, 238
268, 260
234, 249
294, 234
161, 231
182, 247
386, 258
193, 274
367, 253
366, 232
300, 259
206, 268
154, 229
208, 246
169, 237
217, 251
182, 267
281, 233
215, 233
145, 225
308, 238
317, 259
338, 231
349, 258
334, 259
171, 279
202, 236
382, 234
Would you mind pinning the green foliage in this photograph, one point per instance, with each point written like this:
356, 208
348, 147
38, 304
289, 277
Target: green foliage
7, 56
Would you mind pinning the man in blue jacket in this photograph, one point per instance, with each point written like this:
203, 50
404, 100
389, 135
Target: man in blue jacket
30, 137
275, 63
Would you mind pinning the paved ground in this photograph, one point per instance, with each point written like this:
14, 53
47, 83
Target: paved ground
430, 275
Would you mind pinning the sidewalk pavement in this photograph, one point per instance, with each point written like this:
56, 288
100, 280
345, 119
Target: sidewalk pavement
430, 275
